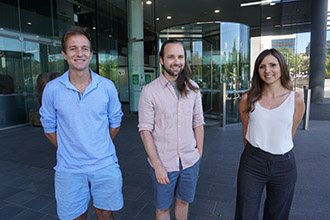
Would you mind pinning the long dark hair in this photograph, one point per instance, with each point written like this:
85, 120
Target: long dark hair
183, 80
255, 93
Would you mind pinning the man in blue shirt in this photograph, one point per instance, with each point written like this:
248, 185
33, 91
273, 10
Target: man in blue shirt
81, 115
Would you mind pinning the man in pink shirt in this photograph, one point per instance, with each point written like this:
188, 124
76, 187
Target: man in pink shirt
171, 126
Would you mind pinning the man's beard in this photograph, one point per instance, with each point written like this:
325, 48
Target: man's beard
170, 72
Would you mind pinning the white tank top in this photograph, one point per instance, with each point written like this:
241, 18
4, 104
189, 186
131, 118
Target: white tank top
271, 129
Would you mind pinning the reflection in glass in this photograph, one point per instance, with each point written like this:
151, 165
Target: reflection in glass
30, 44
217, 53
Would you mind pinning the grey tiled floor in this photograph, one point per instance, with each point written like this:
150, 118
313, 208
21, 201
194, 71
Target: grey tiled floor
27, 158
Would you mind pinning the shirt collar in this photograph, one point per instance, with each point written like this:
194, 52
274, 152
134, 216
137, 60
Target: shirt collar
66, 81
163, 81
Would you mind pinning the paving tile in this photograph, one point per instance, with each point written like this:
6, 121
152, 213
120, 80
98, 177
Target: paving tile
29, 215
26, 175
21, 197
138, 179
223, 193
49, 217
8, 177
147, 196
50, 208
7, 191
25, 170
202, 207
224, 211
3, 203
5, 166
204, 217
132, 208
39, 202
148, 212
132, 192
10, 211
203, 187
297, 217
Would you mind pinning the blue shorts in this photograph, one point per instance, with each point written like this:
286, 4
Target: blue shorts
73, 191
182, 185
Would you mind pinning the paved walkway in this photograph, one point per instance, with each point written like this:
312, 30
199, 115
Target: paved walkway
27, 158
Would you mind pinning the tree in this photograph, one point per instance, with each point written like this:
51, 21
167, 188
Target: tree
327, 60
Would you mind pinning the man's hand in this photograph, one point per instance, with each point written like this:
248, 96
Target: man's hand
149, 145
161, 175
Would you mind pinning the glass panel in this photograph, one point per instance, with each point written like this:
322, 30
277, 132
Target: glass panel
112, 29
212, 84
36, 17
9, 15
12, 101
234, 65
56, 62
217, 53
282, 29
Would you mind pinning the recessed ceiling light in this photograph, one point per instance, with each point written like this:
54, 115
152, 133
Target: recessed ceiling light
169, 17
157, 19
217, 11
110, 35
182, 27
148, 2
94, 28
29, 23
268, 18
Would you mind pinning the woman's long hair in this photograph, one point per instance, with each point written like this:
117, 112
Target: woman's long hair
255, 93
183, 80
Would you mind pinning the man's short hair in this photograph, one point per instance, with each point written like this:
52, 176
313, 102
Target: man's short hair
76, 31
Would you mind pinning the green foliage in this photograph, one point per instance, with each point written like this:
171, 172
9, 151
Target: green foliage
327, 60
298, 63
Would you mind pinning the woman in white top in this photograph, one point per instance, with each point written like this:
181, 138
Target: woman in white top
270, 113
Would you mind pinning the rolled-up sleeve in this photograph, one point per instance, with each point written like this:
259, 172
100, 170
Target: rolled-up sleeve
47, 111
146, 111
198, 118
114, 108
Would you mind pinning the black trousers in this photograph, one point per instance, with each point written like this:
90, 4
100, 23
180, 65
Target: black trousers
259, 169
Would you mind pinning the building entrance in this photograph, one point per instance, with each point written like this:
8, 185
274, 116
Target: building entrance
218, 53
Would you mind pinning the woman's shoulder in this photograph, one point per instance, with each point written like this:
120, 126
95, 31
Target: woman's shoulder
244, 96
298, 98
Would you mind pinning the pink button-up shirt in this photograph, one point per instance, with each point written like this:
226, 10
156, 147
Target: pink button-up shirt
171, 121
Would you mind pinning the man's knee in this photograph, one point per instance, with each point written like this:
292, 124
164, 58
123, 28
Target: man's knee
103, 214
82, 217
181, 202
163, 210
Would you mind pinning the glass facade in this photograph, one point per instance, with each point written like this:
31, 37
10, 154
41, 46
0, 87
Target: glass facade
289, 36
219, 55
30, 44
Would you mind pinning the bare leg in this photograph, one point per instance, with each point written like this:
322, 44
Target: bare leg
163, 214
82, 217
104, 214
181, 209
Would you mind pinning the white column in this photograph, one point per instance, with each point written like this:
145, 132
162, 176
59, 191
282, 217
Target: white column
135, 51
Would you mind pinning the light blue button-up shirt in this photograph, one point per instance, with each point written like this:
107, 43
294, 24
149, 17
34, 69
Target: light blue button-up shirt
81, 122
